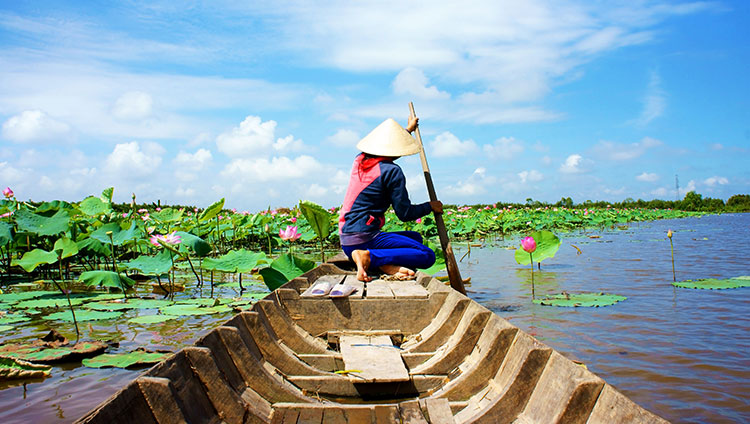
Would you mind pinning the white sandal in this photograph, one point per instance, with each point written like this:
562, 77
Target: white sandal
342, 290
320, 289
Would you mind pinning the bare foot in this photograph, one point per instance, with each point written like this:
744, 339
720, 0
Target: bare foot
399, 272
362, 259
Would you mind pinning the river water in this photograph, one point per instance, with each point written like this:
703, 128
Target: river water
683, 354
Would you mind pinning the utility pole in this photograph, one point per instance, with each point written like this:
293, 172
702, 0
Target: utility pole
677, 188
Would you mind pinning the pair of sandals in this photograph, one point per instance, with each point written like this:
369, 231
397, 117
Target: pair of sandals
326, 288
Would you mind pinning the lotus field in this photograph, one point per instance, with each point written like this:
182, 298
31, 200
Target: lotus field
66, 265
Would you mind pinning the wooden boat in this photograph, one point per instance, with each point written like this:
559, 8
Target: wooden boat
393, 352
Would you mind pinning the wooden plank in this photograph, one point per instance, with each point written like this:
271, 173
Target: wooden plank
379, 289
310, 416
439, 410
352, 281
334, 279
375, 357
411, 413
408, 290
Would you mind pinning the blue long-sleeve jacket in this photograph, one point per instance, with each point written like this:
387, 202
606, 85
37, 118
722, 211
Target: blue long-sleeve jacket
371, 192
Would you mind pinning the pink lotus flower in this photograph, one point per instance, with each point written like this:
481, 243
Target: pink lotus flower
290, 233
7, 192
6, 214
528, 244
419, 220
293, 219
171, 238
142, 210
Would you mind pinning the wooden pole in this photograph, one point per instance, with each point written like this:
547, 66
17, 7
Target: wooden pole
457, 283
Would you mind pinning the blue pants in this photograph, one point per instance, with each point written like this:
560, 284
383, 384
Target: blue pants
402, 248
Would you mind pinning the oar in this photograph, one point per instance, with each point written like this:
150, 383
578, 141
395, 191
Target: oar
450, 261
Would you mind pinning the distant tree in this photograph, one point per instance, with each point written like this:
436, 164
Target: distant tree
692, 202
739, 203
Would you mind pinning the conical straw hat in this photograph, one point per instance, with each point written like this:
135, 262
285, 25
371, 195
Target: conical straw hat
389, 139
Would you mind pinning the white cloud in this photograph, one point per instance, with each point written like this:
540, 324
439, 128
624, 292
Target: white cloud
344, 138
34, 125
187, 166
621, 152
712, 181
275, 169
654, 102
288, 143
647, 177
133, 105
572, 164
253, 136
530, 176
316, 191
659, 192
412, 81
503, 148
474, 185
690, 187
133, 160
447, 145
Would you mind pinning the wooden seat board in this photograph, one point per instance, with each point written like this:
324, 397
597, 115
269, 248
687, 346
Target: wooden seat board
360, 286
375, 358
379, 289
408, 290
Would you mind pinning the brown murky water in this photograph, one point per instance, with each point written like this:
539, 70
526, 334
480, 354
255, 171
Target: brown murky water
683, 354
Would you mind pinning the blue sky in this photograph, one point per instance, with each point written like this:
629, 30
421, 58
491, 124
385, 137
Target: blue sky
263, 103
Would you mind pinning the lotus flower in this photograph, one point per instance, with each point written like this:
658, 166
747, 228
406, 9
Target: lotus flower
419, 220
171, 238
7, 192
528, 244
290, 233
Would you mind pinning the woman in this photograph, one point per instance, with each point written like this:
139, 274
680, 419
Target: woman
377, 183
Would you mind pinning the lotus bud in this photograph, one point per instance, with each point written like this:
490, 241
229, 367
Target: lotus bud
7, 192
528, 244
669, 233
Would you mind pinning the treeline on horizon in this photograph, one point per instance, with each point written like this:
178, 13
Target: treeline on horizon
692, 202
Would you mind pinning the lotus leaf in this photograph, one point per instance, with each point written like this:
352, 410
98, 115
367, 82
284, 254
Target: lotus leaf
49, 302
94, 206
211, 211
106, 195
129, 304
41, 225
167, 215
151, 319
33, 259
125, 360
14, 318
318, 218
714, 283
580, 299
93, 246
235, 261
285, 268
17, 297
83, 315
54, 206
197, 244
13, 368
184, 310
106, 279
65, 247
151, 265
202, 301
547, 245
119, 236
6, 236
41, 353
4, 328
439, 264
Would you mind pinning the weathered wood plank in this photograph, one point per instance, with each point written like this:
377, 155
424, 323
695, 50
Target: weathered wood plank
379, 289
439, 411
333, 279
411, 413
360, 286
375, 357
408, 290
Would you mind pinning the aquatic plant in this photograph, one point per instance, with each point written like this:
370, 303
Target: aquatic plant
671, 246
529, 245
320, 221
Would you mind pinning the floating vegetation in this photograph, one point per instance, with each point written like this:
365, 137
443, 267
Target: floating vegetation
14, 368
580, 299
125, 360
715, 283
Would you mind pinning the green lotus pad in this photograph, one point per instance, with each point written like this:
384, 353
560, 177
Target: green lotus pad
580, 299
13, 368
714, 283
4, 328
17, 297
183, 310
83, 315
40, 353
125, 360
13, 318
118, 304
151, 319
